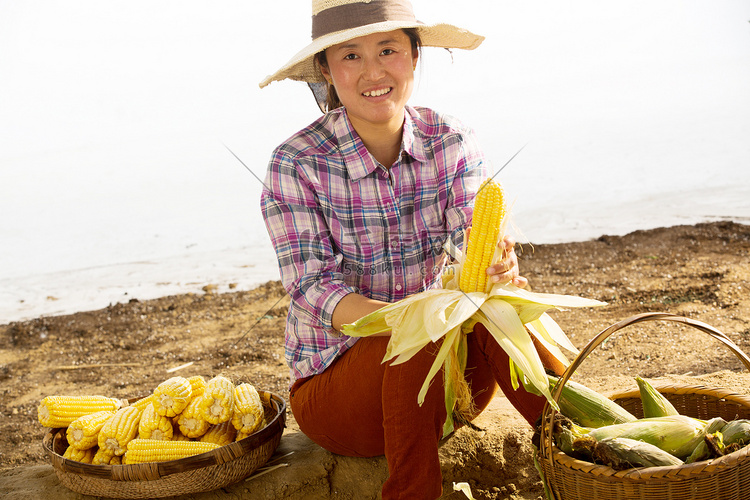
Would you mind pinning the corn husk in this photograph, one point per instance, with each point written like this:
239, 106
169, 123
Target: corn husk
675, 434
623, 453
655, 404
588, 408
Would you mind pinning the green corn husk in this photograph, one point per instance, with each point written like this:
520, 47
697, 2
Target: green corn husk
624, 453
675, 434
736, 432
712, 446
587, 407
654, 402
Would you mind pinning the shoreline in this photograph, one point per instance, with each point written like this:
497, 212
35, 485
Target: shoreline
85, 290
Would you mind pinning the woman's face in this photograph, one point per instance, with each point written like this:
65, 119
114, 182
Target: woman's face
373, 76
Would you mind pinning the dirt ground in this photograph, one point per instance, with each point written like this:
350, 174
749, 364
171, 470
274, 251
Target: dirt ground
124, 350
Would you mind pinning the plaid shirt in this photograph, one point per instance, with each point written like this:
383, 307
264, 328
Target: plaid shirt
342, 223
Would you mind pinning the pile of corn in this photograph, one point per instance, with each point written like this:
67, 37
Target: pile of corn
591, 427
181, 418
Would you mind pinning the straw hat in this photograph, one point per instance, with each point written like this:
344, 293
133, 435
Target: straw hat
336, 21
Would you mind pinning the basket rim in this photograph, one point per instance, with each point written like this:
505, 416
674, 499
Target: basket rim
158, 470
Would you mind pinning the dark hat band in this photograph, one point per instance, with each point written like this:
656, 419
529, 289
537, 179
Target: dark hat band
354, 15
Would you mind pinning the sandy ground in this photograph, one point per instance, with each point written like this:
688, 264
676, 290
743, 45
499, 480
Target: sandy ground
701, 271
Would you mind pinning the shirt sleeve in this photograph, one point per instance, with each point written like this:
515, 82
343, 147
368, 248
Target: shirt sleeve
470, 172
309, 265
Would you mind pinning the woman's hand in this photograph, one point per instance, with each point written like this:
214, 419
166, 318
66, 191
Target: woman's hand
507, 269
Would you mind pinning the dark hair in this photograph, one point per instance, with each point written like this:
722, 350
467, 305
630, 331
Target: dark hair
332, 101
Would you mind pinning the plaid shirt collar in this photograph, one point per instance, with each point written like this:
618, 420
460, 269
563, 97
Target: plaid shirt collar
359, 162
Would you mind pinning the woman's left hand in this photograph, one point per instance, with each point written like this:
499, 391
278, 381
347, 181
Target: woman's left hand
507, 269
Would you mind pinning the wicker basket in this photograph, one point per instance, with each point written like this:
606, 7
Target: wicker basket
725, 478
204, 472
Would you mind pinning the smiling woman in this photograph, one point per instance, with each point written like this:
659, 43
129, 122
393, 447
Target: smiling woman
359, 206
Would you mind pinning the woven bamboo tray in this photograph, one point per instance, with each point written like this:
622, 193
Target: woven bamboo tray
204, 472
724, 478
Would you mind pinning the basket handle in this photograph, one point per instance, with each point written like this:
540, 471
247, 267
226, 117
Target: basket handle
548, 412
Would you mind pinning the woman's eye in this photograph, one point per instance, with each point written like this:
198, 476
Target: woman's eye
387, 52
350, 57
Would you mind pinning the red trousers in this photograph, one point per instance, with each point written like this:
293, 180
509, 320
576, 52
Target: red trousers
361, 407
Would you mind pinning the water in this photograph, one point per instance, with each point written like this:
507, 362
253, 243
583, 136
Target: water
115, 182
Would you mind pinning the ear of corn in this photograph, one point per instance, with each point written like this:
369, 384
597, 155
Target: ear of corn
149, 450
675, 434
120, 429
103, 456
142, 403
197, 386
61, 411
736, 431
489, 211
587, 407
191, 422
83, 432
655, 404
217, 403
221, 434
248, 409
624, 453
79, 455
172, 396
154, 426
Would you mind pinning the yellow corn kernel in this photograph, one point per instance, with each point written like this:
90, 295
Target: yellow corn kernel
149, 450
179, 436
191, 422
221, 434
61, 411
83, 432
172, 396
120, 429
142, 403
489, 210
197, 385
84, 456
103, 456
248, 409
217, 403
154, 426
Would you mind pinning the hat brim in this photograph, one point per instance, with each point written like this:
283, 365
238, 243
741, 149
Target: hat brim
302, 67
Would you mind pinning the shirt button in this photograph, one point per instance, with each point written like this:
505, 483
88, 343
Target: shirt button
394, 242
398, 287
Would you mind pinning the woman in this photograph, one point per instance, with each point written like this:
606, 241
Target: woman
358, 206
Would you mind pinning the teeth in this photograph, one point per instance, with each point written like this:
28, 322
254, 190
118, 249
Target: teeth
376, 93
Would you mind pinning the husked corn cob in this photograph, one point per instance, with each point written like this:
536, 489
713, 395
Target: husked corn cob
191, 422
142, 403
149, 450
655, 404
217, 403
119, 430
103, 456
624, 453
179, 436
197, 385
587, 407
154, 426
248, 409
79, 455
221, 434
61, 411
172, 396
83, 432
489, 210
